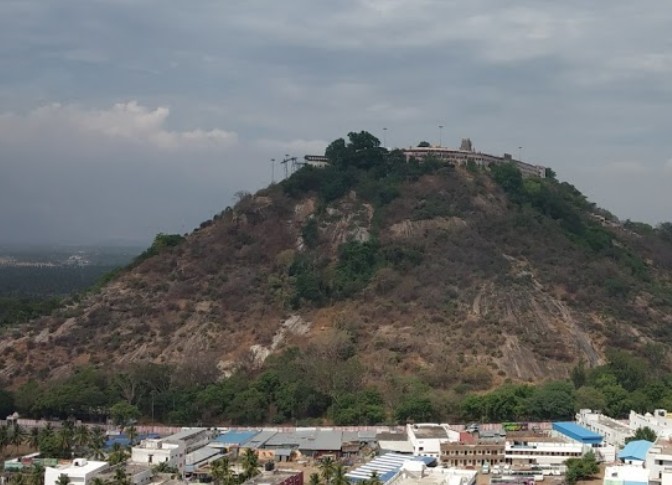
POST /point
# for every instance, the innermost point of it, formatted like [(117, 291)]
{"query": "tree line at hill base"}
[(324, 385)]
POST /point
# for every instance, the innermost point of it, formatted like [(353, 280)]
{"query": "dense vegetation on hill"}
[(325, 384), (376, 289)]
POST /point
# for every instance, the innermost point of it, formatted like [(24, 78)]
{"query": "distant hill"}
[(461, 276)]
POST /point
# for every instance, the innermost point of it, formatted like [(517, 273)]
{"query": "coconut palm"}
[(81, 436), (117, 455), (221, 472), (64, 441), (98, 481), (15, 434), (4, 437), (132, 434), (314, 479), (339, 477), (97, 443), (37, 475), (32, 438), (19, 479), (375, 479), (63, 480), (250, 463), (120, 477), (327, 469)]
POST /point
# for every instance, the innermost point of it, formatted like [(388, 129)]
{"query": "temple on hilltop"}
[(456, 156), (467, 154)]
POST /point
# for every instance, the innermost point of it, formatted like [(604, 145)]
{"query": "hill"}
[(372, 273)]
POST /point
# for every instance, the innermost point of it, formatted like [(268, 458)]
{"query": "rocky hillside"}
[(460, 275)]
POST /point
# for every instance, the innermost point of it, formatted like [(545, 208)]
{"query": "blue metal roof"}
[(577, 433), (635, 450), (236, 437)]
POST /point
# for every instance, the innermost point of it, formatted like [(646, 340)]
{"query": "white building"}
[(426, 438), (541, 450), (154, 451), (659, 461), (622, 475), (613, 431), (658, 422), (80, 471)]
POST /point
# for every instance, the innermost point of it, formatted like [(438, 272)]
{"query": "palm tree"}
[(64, 441), (132, 434), (4, 437), (32, 439), (97, 443), (15, 435), (81, 436), (375, 479), (327, 469), (314, 479), (98, 481), (221, 472), (37, 474), (63, 480), (120, 477), (19, 479), (250, 463), (118, 455), (339, 476)]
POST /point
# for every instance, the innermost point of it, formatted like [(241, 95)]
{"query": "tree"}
[(644, 433), (250, 463), (375, 479), (97, 443), (32, 438), (327, 468), (120, 477), (314, 479), (424, 144), (581, 468), (37, 474), (339, 477), (63, 480), (132, 434), (123, 413), (118, 455), (98, 481), (81, 436), (221, 472)]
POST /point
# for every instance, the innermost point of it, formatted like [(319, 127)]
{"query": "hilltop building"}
[(467, 154), (172, 449)]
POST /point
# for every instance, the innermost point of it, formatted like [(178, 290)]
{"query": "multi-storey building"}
[(474, 454), (540, 449), (659, 461), (659, 421), (614, 432)]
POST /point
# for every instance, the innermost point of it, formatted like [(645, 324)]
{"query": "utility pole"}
[(384, 137), (440, 135), (520, 154), (272, 170)]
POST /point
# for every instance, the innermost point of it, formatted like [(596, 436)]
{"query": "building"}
[(625, 475), (387, 467), (614, 432), (137, 474), (658, 422), (394, 442), (540, 449), (466, 154), (191, 438), (80, 471), (659, 461), (277, 477), (635, 452), (312, 442), (589, 439), (154, 451), (426, 438), (435, 476), (317, 161), (473, 454)]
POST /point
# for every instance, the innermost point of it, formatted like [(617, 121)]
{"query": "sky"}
[(120, 119)]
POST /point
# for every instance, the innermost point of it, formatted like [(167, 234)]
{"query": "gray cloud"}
[(112, 107)]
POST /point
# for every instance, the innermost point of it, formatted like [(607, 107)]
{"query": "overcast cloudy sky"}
[(123, 118)]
